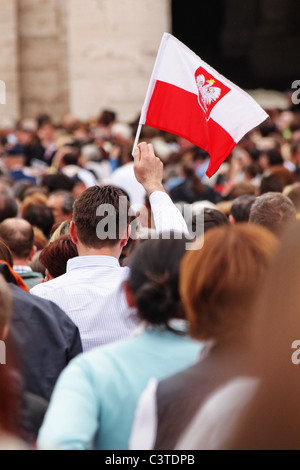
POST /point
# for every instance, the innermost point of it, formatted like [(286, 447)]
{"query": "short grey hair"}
[(273, 211)]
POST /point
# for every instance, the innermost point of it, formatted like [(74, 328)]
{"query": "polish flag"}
[(188, 98)]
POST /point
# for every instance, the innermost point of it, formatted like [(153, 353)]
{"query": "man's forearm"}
[(166, 215)]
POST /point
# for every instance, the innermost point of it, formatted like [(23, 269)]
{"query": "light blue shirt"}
[(96, 395)]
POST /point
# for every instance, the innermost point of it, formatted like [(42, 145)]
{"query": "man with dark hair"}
[(61, 202), (8, 207), (211, 218), (41, 216), (240, 208), (91, 291), (273, 211), (19, 236), (270, 183), (57, 181)]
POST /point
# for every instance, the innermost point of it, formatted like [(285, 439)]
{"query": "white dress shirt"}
[(91, 291), (91, 294)]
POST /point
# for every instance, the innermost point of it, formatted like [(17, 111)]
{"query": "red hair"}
[(54, 256)]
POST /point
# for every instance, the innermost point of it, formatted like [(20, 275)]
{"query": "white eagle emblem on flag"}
[(208, 93)]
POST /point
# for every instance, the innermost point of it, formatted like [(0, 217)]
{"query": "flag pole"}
[(150, 90), (138, 132)]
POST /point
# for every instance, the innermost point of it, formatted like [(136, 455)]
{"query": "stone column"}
[(43, 57), (112, 50), (9, 60)]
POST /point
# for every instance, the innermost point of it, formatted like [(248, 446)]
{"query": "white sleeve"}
[(143, 432), (167, 217)]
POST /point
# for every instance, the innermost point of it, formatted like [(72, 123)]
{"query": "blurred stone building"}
[(81, 56), (78, 56)]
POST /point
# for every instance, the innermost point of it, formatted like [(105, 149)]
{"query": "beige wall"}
[(112, 48), (43, 57), (9, 59), (79, 56)]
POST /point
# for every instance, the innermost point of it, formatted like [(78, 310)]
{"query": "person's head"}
[(240, 208), (40, 241), (19, 236), (273, 211), (42, 217), (56, 255), (8, 207), (33, 199), (61, 203), (14, 158), (293, 193), (219, 282), (270, 157), (152, 286), (240, 189), (101, 219), (60, 229), (211, 218), (55, 182), (271, 183), (107, 117)]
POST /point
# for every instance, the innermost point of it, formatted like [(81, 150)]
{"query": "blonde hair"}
[(219, 281)]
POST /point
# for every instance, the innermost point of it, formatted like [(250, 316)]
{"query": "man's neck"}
[(113, 251), (20, 262)]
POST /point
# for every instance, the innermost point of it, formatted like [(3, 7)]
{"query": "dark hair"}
[(8, 207), (57, 181), (70, 158), (241, 206), (86, 219), (189, 172), (214, 218), (211, 218), (107, 117), (273, 211), (253, 169), (18, 235), (42, 217), (56, 255), (271, 183), (268, 127), (154, 278), (274, 156), (42, 119)]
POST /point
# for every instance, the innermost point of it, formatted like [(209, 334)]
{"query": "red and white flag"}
[(188, 98)]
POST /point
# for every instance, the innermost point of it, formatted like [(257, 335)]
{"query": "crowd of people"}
[(136, 291)]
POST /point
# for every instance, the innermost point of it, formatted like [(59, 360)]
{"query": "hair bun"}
[(156, 301)]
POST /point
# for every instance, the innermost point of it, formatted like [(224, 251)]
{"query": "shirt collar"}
[(93, 260), (18, 268)]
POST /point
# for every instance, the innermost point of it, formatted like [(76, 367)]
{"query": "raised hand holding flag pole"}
[(188, 98)]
